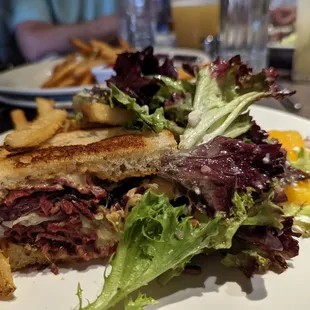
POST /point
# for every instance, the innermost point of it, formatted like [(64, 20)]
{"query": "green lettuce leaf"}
[(176, 86), (140, 302), (155, 121), (301, 214), (229, 225), (224, 91), (176, 97), (265, 213), (159, 241), (156, 238), (249, 261), (303, 160), (178, 111), (240, 125), (175, 129)]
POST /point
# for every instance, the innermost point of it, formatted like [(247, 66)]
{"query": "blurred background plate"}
[(26, 80)]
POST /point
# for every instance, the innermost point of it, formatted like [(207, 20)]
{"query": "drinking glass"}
[(194, 20), (138, 22), (244, 31)]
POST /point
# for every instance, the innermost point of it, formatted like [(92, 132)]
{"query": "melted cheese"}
[(157, 185), (106, 234), (31, 219)]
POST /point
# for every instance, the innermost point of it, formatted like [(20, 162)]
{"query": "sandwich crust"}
[(114, 158), (110, 154)]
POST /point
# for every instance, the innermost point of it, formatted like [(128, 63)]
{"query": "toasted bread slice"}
[(84, 137), (21, 257), (113, 159), (102, 113)]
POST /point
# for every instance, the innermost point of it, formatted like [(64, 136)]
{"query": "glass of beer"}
[(194, 20)]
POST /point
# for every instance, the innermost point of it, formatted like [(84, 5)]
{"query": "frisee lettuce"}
[(176, 86), (247, 260), (176, 97), (141, 301), (156, 238), (217, 108), (159, 241), (155, 121), (303, 160), (230, 224), (301, 214), (265, 213), (224, 91)]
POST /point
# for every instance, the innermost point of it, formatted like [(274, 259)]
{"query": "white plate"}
[(217, 287), (27, 79), (24, 103)]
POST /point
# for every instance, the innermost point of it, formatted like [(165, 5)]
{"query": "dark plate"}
[(281, 57)]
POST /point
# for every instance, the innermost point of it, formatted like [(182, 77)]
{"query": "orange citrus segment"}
[(289, 140), (298, 193)]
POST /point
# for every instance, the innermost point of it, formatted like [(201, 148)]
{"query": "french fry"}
[(83, 48), (81, 69), (69, 59), (68, 81), (56, 79), (124, 45), (57, 68), (101, 45), (87, 79), (110, 58), (44, 106), (85, 67), (36, 133), (7, 286), (19, 119), (69, 125), (74, 72)]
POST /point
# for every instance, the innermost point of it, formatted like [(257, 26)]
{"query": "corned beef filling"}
[(62, 205)]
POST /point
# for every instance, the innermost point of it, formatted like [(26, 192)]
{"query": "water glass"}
[(244, 31), (138, 22)]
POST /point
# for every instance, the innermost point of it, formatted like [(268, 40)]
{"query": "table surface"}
[(302, 96)]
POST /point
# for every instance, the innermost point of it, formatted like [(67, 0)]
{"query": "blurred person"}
[(4, 35), (43, 27), (283, 12)]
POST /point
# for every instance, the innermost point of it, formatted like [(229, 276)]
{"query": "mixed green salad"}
[(231, 177)]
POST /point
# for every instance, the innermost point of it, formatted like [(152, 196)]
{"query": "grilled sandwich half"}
[(68, 200)]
